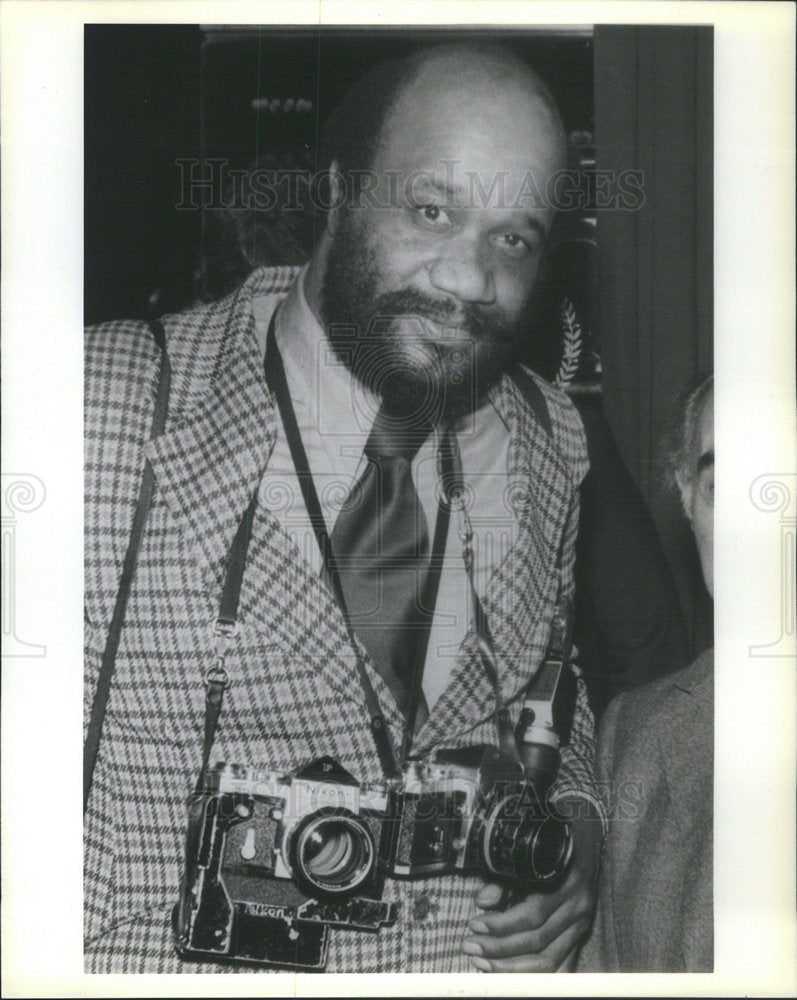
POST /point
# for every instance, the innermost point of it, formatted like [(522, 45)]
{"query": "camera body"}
[(473, 809), (274, 860)]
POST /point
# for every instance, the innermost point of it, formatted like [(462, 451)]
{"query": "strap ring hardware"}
[(217, 675)]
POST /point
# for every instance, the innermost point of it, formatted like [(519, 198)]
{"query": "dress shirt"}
[(335, 414)]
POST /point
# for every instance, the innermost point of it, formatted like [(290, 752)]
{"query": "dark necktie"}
[(381, 547)]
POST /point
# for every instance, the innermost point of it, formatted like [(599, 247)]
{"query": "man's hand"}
[(541, 933)]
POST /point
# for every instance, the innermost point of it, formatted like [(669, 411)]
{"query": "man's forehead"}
[(482, 121), (481, 161)]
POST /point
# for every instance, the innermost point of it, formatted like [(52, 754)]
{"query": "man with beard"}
[(309, 490)]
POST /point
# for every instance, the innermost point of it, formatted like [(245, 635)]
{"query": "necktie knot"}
[(394, 437)]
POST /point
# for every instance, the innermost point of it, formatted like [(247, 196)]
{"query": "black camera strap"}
[(454, 488), (217, 679), (278, 385)]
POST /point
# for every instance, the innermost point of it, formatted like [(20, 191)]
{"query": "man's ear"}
[(337, 197)]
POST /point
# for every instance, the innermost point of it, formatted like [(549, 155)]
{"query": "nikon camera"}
[(274, 860)]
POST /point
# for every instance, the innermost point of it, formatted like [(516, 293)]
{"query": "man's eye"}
[(513, 245), (432, 215)]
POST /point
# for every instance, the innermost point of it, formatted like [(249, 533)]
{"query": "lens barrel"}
[(332, 854), (521, 844)]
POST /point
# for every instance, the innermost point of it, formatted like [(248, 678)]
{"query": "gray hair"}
[(679, 442)]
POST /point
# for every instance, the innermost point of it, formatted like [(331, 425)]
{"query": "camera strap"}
[(454, 489), (217, 679), (278, 385)]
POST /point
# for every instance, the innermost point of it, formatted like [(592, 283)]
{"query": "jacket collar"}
[(220, 433), (221, 423)]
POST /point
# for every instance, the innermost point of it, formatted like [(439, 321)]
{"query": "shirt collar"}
[(326, 396)]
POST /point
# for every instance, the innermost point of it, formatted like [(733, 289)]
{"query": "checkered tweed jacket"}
[(293, 693)]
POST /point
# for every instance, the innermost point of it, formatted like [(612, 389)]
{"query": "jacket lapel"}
[(522, 592), (220, 434), (221, 427)]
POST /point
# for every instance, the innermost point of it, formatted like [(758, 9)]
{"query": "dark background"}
[(631, 97)]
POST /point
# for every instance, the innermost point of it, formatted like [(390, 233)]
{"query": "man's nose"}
[(460, 271)]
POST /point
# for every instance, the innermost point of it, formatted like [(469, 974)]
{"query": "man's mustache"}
[(408, 302)]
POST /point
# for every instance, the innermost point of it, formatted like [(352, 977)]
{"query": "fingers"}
[(504, 940), (539, 934), (558, 956), (529, 914), (490, 896)]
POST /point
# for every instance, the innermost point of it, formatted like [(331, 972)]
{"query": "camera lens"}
[(549, 848), (333, 854), (520, 844)]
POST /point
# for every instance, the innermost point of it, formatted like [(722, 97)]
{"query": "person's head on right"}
[(690, 461)]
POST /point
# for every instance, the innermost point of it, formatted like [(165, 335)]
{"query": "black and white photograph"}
[(397, 565)]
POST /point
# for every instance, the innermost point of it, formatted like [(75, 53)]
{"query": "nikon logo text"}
[(264, 910)]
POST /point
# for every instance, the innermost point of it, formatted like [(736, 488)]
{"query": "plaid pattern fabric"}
[(292, 695)]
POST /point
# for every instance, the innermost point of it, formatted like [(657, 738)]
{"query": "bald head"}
[(455, 79), (484, 115), (481, 79)]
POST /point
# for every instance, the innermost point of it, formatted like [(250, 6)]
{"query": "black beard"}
[(431, 379)]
